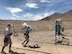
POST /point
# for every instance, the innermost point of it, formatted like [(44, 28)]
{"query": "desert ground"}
[(42, 34), (45, 39)]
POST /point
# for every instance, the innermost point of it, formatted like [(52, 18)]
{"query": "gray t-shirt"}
[(7, 32)]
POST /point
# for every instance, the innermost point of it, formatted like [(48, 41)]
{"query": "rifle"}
[(15, 33)]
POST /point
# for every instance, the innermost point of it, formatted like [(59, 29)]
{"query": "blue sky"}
[(32, 9)]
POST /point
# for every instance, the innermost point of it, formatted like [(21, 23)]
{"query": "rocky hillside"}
[(65, 16), (54, 16)]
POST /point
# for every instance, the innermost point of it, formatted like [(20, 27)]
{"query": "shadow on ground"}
[(17, 53)]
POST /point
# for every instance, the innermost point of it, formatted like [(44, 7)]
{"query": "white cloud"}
[(37, 17), (45, 14), (14, 10), (48, 13), (16, 16), (31, 1), (13, 18), (28, 15), (49, 1), (32, 5)]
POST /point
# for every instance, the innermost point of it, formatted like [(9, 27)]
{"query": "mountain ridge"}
[(65, 16)]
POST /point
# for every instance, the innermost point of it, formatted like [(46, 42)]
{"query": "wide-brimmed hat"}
[(25, 25)]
